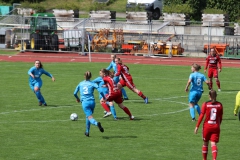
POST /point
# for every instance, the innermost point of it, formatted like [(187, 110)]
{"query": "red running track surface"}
[(101, 57)]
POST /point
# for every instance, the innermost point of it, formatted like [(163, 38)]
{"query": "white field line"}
[(157, 99)]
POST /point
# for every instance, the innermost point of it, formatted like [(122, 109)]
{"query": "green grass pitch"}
[(162, 129)]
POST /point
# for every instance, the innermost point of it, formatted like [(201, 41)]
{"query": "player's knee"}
[(36, 89)]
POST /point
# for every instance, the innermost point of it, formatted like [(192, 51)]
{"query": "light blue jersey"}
[(113, 66), (37, 72), (102, 88), (197, 80), (86, 89), (196, 91)]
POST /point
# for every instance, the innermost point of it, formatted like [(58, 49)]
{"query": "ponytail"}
[(88, 75), (213, 96)]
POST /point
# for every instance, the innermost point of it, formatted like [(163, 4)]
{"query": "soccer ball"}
[(74, 117)]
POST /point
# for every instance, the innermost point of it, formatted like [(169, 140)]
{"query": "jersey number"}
[(85, 90), (199, 81), (213, 116)]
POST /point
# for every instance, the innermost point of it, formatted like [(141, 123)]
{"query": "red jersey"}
[(212, 62), (123, 70), (112, 87), (213, 115), (114, 94)]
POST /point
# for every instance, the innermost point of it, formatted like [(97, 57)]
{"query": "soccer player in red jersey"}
[(213, 111), (126, 79), (114, 94), (212, 62)]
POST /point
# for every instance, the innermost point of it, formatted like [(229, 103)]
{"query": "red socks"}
[(218, 84), (105, 107), (204, 152), (141, 95), (126, 110), (214, 152)]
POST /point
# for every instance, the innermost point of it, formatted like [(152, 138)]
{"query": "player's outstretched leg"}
[(100, 127), (87, 127)]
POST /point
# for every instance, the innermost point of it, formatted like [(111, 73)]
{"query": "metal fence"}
[(80, 35)]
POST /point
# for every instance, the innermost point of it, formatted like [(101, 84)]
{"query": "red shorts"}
[(213, 72), (129, 83), (115, 96), (211, 134)]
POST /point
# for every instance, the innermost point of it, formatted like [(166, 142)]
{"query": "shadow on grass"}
[(114, 137), (229, 119), (51, 105), (127, 119)]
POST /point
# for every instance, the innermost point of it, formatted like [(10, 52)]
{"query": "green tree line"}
[(195, 8)]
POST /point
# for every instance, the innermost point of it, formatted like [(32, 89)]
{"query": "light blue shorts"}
[(88, 107), (194, 96)]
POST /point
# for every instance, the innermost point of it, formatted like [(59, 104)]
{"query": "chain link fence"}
[(81, 35)]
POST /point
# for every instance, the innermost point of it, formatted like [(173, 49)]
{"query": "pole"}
[(89, 46)]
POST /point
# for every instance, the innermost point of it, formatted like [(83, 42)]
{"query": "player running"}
[(114, 93), (109, 110), (127, 80), (113, 66), (86, 89)]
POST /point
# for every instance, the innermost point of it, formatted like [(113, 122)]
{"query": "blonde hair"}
[(196, 66)]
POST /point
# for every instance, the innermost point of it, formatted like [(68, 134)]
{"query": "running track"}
[(101, 57)]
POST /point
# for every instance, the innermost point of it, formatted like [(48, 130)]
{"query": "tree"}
[(197, 7), (231, 7)]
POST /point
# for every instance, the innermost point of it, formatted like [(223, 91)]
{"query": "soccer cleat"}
[(40, 103), (100, 127), (132, 117), (86, 134), (115, 119), (219, 90), (193, 119), (45, 104), (107, 114), (126, 98), (235, 114), (146, 100)]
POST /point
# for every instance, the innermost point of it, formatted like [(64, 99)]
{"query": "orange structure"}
[(101, 40), (219, 48)]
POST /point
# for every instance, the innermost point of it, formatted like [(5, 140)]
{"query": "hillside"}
[(82, 5)]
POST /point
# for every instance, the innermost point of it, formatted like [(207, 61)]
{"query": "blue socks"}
[(192, 112), (112, 109), (93, 121), (40, 97), (124, 93), (87, 125), (197, 108)]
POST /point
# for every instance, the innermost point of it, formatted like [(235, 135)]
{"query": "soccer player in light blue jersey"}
[(86, 89), (110, 110), (113, 66), (196, 80), (35, 81)]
